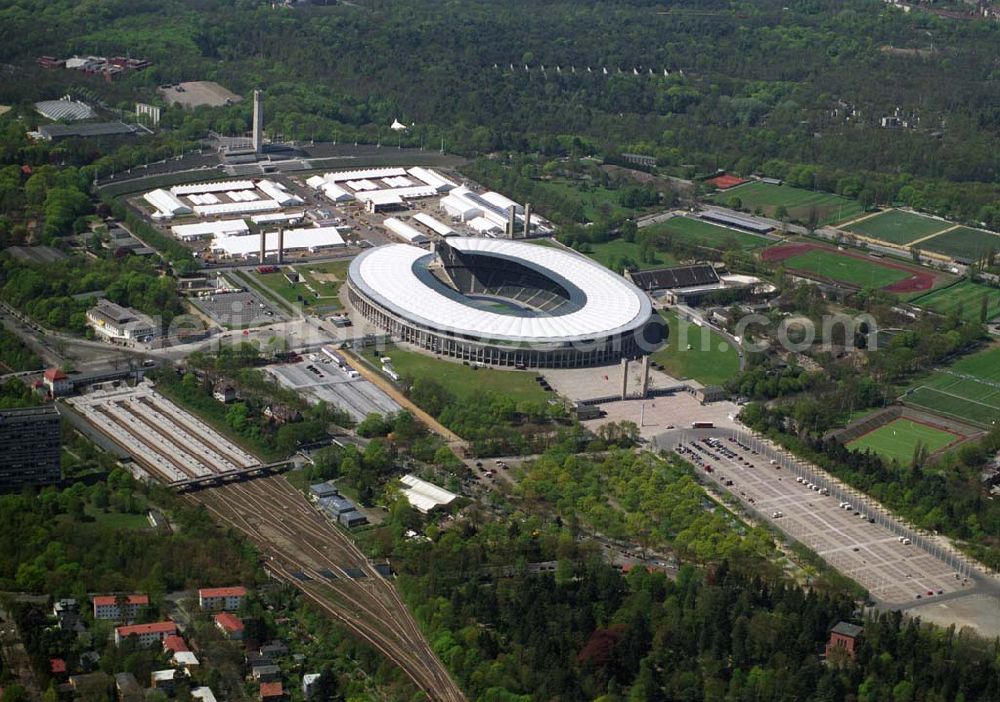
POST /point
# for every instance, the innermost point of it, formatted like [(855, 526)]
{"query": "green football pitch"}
[(799, 203), (964, 298), (700, 233), (845, 269), (968, 389), (963, 242), (898, 439), (898, 227)]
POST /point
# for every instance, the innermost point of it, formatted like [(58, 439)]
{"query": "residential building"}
[(57, 666), (270, 691), (30, 442), (203, 693), (57, 382), (265, 673), (321, 490), (90, 685), (352, 519), (119, 608), (214, 599), (146, 634), (184, 660), (230, 625), (274, 649), (224, 392), (309, 681), (844, 638), (163, 680), (282, 414), (128, 688), (119, 324)]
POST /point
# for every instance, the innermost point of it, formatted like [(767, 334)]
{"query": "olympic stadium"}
[(504, 303)]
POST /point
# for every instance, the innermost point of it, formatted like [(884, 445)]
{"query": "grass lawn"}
[(700, 233), (899, 438), (964, 298), (963, 242), (597, 202), (319, 285), (711, 359), (118, 520), (461, 380), (898, 227), (612, 253), (800, 203), (845, 269), (968, 389)]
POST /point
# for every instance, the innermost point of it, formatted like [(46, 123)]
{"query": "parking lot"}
[(238, 310), (320, 380), (851, 534)]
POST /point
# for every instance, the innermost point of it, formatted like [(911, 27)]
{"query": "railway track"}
[(303, 549)]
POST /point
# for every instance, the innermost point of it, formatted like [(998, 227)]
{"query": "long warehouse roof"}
[(609, 303), (306, 238)]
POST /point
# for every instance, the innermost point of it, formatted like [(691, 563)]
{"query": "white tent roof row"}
[(502, 201), (204, 229), (228, 208), (425, 496), (166, 203), (241, 195), (483, 225), (311, 238), (398, 182), (403, 193), (381, 197), (458, 207), (362, 184), (315, 182), (220, 186), (609, 304), (334, 192), (206, 199), (404, 230), (341, 176), (433, 224), (278, 193), (432, 178), (276, 217)]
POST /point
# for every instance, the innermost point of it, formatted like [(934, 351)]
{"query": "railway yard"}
[(168, 442), (301, 548)]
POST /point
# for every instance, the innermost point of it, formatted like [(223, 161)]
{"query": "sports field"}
[(963, 242), (461, 380), (799, 203), (696, 232), (845, 269), (964, 298), (898, 439), (968, 389), (898, 227), (710, 360)]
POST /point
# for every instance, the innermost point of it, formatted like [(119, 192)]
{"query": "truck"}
[(702, 425)]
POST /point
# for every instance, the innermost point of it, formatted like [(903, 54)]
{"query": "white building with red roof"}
[(221, 598), (230, 625), (119, 608), (57, 382), (146, 634)]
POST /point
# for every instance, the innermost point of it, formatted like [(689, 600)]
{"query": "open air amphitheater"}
[(169, 443)]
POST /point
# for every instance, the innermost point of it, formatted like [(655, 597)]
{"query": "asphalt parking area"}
[(238, 310)]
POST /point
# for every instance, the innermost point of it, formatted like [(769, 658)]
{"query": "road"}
[(302, 548)]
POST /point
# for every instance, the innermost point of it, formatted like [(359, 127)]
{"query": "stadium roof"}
[(68, 110), (608, 303)]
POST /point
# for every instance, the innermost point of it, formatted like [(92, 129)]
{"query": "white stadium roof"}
[(610, 304)]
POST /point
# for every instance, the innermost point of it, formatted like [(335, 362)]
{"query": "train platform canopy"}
[(423, 496)]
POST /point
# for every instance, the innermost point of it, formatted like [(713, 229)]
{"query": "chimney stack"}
[(511, 222), (281, 244), (527, 220), (263, 249), (258, 122)]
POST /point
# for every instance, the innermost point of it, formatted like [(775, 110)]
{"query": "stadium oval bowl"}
[(506, 303)]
